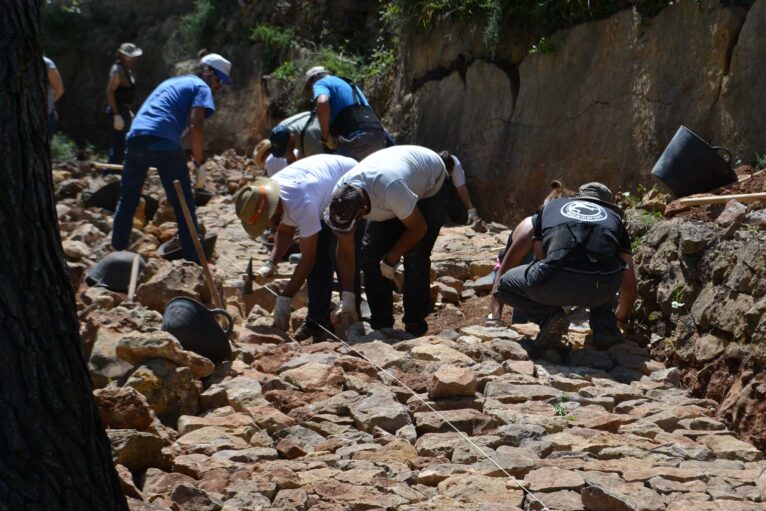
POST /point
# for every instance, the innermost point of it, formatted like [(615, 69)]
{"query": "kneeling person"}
[(583, 257), (295, 199), (402, 191)]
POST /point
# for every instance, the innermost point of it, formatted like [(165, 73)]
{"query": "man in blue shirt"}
[(345, 117), (154, 140)]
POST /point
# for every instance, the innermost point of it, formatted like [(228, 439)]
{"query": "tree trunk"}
[(54, 453)]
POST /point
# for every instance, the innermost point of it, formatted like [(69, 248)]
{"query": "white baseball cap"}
[(220, 66), (316, 70)]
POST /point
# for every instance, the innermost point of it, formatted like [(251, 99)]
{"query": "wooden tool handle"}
[(722, 199), (112, 166), (197, 245), (133, 278)]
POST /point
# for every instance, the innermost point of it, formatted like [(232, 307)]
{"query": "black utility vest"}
[(354, 117)]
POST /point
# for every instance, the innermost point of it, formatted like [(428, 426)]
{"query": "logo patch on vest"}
[(584, 211)]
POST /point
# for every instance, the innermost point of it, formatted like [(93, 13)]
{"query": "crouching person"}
[(295, 198), (583, 258), (401, 190)]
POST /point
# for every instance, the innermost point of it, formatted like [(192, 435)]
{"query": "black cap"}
[(345, 207)]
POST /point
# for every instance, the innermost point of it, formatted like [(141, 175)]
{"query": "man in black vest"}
[(348, 123), (582, 257)]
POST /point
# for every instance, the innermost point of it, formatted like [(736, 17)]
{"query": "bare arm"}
[(54, 79), (416, 228), (462, 192), (197, 134), (283, 237), (323, 115), (308, 248), (539, 252), (521, 245), (111, 87), (345, 255), (628, 290)]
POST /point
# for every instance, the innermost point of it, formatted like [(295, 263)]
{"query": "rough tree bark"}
[(54, 453)]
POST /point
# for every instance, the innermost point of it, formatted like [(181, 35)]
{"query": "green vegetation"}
[(542, 16), (760, 160), (63, 149), (195, 29), (276, 42)]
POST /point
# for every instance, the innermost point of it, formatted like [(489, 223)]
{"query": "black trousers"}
[(378, 240)]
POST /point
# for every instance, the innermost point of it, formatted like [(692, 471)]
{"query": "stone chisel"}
[(249, 278)]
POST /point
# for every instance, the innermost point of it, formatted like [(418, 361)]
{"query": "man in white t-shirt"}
[(402, 191), (294, 199)]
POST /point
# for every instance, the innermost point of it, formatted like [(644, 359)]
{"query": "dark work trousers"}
[(319, 282), (526, 288), (361, 144), (171, 165), (378, 240), (117, 151)]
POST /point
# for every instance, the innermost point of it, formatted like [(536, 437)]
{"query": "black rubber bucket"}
[(690, 165)]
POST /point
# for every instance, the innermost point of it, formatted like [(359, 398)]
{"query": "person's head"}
[(598, 193), (448, 160), (348, 204), (214, 70), (558, 191), (257, 205), (312, 75), (127, 53), (282, 142)]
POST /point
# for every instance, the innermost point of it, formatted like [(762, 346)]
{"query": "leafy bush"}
[(286, 71), (276, 41), (195, 29), (63, 148)]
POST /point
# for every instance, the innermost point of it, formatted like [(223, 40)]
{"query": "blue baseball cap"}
[(279, 138)]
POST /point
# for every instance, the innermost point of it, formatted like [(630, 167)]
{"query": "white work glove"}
[(473, 215), (201, 176), (393, 273), (346, 309), (267, 270), (282, 311), (119, 123)]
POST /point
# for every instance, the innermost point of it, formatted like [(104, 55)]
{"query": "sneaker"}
[(305, 333), (552, 330)]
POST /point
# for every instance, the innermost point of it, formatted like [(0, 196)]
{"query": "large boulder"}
[(136, 348), (174, 278), (169, 389)]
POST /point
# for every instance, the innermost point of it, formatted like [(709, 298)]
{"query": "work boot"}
[(306, 332), (604, 341), (551, 331)]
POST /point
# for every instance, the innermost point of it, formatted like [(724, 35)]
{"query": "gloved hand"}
[(346, 310), (119, 123), (268, 269), (473, 215), (330, 142), (282, 312), (201, 175), (393, 273)]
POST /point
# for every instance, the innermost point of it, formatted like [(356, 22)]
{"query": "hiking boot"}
[(552, 330), (603, 341), (305, 333)]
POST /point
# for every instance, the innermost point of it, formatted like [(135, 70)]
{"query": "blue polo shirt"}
[(340, 93), (165, 113)]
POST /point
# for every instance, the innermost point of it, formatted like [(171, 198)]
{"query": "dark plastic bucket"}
[(690, 165), (196, 328)]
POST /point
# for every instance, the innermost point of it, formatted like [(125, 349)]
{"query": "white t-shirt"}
[(458, 174), (396, 178), (306, 187), (272, 165), (50, 65)]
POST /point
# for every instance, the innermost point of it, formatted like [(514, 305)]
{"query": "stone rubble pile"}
[(328, 426)]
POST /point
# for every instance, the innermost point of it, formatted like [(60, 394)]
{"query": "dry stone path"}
[(390, 422)]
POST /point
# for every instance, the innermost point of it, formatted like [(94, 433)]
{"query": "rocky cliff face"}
[(602, 106), (702, 288)]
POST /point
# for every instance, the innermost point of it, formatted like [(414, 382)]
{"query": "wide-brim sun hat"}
[(600, 194), (130, 50), (220, 66), (262, 150), (315, 71), (255, 204)]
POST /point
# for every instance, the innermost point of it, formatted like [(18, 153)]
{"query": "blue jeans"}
[(117, 152), (171, 165), (319, 282)]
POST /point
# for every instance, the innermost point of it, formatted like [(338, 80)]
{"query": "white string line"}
[(442, 417)]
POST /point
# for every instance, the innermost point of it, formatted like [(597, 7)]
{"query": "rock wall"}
[(702, 292), (602, 106)]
